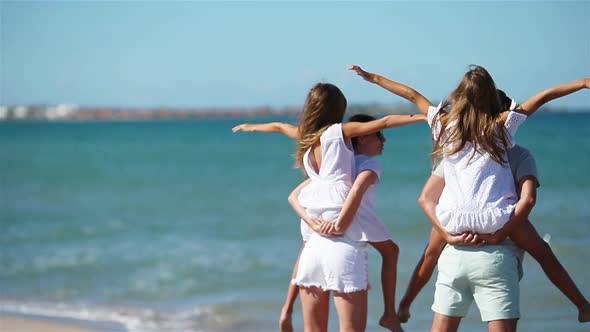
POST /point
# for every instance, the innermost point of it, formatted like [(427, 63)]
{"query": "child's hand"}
[(242, 127), (369, 77)]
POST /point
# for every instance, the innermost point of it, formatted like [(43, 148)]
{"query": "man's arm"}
[(428, 201)]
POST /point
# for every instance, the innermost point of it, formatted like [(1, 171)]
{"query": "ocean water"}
[(185, 226)]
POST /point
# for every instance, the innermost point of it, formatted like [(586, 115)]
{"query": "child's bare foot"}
[(285, 323), (391, 322), (584, 313), (403, 312)]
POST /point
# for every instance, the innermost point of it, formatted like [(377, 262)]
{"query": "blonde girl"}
[(332, 264)]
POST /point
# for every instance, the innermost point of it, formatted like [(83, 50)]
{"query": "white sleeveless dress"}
[(330, 263)]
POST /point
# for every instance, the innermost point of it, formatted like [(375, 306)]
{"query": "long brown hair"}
[(325, 105), (472, 114)]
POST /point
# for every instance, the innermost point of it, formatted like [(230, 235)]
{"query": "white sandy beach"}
[(35, 324)]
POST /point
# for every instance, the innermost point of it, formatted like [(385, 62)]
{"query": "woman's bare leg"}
[(352, 310), (315, 305)]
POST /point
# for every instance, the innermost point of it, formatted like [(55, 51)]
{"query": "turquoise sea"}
[(185, 226)]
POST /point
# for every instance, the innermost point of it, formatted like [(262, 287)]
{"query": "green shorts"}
[(488, 274)]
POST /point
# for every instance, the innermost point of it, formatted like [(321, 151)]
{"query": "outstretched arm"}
[(286, 129), (355, 129), (353, 200), (532, 104), (399, 89)]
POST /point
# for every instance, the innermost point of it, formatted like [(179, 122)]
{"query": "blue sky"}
[(249, 54)]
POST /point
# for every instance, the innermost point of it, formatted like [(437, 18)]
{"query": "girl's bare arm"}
[(399, 89), (353, 200), (355, 129), (286, 129), (534, 103)]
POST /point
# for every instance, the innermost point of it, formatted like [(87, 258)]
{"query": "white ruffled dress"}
[(479, 194)]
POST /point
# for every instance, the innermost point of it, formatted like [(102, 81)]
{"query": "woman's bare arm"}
[(320, 227), (286, 129)]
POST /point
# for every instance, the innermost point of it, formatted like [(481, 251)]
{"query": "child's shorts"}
[(488, 274)]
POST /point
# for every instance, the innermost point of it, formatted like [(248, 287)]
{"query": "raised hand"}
[(242, 127), (396, 88), (369, 77)]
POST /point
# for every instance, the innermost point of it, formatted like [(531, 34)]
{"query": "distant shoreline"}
[(75, 113)]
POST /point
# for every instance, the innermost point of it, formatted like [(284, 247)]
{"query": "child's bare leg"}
[(285, 322), (389, 252), (526, 237), (422, 273)]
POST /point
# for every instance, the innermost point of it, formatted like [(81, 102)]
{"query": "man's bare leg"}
[(422, 273), (442, 323), (502, 325)]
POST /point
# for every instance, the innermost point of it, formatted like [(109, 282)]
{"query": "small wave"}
[(133, 319), (196, 319)]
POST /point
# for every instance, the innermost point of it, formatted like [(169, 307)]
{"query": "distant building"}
[(62, 111)]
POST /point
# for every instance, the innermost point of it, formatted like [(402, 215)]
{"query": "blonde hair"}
[(472, 114), (325, 105)]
